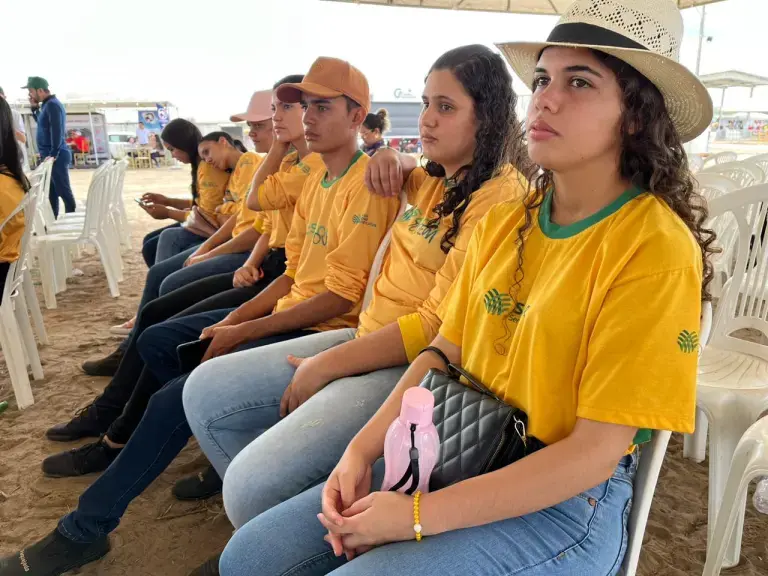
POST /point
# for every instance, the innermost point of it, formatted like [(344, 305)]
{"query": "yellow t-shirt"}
[(603, 325), (336, 230), (416, 273), (278, 193), (211, 187), (11, 194), (239, 186), (284, 186)]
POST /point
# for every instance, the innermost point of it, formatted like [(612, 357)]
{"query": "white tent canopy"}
[(517, 6)]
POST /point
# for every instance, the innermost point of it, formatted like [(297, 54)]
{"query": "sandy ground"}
[(161, 536)]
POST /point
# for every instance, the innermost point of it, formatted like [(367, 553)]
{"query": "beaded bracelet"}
[(417, 515)]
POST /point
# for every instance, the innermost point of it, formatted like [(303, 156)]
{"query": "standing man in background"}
[(142, 134), (21, 133), (51, 131)]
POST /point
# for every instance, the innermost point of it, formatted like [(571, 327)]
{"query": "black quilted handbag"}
[(478, 432)]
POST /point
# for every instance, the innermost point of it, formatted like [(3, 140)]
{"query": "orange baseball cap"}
[(330, 78), (259, 108)]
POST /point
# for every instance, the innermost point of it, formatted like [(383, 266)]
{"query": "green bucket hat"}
[(36, 83)]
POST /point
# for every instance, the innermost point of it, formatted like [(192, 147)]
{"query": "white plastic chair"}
[(750, 461), (695, 162), (647, 476), (94, 232), (16, 338), (733, 372), (720, 158), (711, 186), (743, 173), (378, 260), (761, 160)]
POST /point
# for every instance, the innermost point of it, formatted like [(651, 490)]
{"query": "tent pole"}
[(93, 137), (701, 39)]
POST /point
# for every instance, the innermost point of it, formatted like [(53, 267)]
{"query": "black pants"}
[(125, 398), (4, 268)]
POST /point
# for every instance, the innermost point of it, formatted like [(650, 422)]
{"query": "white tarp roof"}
[(518, 6), (733, 79)]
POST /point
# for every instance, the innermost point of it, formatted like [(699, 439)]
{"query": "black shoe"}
[(52, 556), (198, 487), (209, 568), (106, 366), (89, 458), (85, 424)]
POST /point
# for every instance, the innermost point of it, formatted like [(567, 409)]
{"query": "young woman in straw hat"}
[(595, 279)]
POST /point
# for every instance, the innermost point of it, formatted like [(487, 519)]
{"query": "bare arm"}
[(179, 203), (178, 215), (303, 315), (219, 237), (375, 351), (269, 166), (263, 303), (583, 460)]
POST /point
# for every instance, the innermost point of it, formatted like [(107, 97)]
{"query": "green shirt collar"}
[(328, 183), (557, 232)]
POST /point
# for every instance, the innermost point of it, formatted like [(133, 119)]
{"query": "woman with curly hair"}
[(471, 134), (569, 306)]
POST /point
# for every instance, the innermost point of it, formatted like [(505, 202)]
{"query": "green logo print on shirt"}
[(318, 232), (688, 342), (418, 224), (362, 219), (497, 303)]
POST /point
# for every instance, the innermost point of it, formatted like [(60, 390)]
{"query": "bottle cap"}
[(417, 406)]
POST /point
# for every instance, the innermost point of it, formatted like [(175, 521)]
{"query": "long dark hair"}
[(219, 134), (652, 158), (498, 140), (10, 155), (185, 136)]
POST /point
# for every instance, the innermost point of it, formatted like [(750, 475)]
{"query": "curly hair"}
[(498, 138), (652, 158), (378, 121)]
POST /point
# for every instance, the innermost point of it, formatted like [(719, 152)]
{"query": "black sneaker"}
[(52, 556), (89, 458), (209, 568), (85, 424), (106, 366), (198, 487)]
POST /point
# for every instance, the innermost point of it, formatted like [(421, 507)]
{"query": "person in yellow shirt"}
[(335, 242), (579, 305), (470, 146), (181, 138), (113, 416), (13, 186)]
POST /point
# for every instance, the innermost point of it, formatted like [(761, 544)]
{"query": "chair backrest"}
[(744, 303), (712, 185), (97, 201), (743, 173), (381, 253), (695, 162), (761, 160), (720, 158), (29, 206)]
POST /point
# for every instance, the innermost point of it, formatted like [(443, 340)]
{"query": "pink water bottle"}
[(411, 445)]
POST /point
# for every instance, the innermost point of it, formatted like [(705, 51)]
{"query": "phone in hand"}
[(190, 354), (139, 201)]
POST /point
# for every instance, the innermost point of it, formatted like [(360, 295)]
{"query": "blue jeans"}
[(175, 240), (60, 186), (149, 244), (159, 437), (264, 459), (583, 536)]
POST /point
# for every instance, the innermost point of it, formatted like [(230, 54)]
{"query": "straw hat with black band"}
[(646, 34)]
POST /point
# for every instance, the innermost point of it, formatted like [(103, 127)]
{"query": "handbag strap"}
[(412, 472), (457, 372)]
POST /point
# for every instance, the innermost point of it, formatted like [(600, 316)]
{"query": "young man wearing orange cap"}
[(335, 234)]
